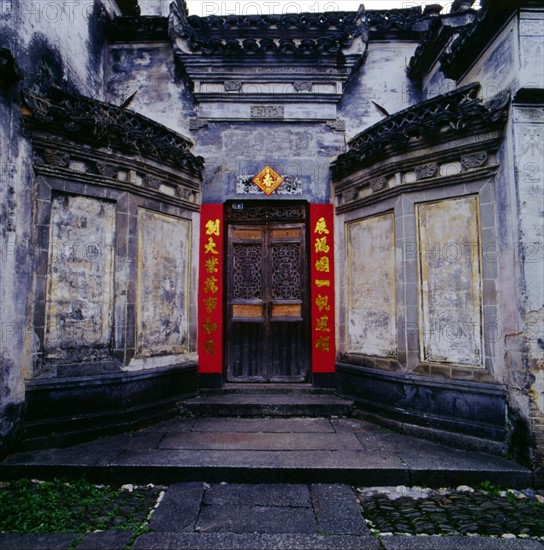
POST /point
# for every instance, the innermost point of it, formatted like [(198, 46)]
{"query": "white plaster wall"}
[(497, 68), (381, 79), (155, 7), (149, 72), (69, 28)]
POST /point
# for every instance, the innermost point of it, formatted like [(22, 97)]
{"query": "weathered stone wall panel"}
[(450, 282), (371, 290), (79, 308), (164, 264)]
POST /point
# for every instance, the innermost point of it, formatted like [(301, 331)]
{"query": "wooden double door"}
[(267, 293)]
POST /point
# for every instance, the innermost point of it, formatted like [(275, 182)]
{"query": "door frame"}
[(266, 212)]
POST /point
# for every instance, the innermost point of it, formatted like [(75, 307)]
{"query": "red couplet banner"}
[(210, 290), (322, 287)]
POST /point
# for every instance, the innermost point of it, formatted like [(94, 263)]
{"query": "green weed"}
[(61, 506)]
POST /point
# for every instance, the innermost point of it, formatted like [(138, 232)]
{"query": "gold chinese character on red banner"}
[(210, 285), (321, 226), (323, 343), (322, 282), (211, 265), (212, 227), (210, 248), (210, 303), (321, 245), (322, 303), (267, 180), (209, 346), (322, 264), (322, 324), (209, 327)]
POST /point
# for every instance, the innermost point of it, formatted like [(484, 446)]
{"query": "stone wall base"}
[(65, 411), (467, 415)]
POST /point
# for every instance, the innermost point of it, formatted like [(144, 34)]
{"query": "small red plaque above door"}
[(267, 180)]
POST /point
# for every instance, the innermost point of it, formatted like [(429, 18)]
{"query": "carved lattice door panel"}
[(267, 335)]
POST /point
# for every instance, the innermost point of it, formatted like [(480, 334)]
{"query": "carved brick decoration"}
[(88, 120), (108, 170), (152, 182), (452, 112), (426, 171), (232, 85), (183, 192), (302, 86), (350, 194), (337, 125), (475, 160), (377, 184), (267, 111), (56, 158), (291, 186)]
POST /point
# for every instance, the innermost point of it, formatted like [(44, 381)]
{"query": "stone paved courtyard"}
[(329, 516)]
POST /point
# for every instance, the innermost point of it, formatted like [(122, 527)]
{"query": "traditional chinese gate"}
[(267, 292)]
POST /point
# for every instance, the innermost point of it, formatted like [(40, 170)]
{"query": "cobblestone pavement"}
[(462, 511), (298, 516)]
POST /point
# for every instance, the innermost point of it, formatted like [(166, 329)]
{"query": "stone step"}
[(267, 450), (268, 404), (268, 389)]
